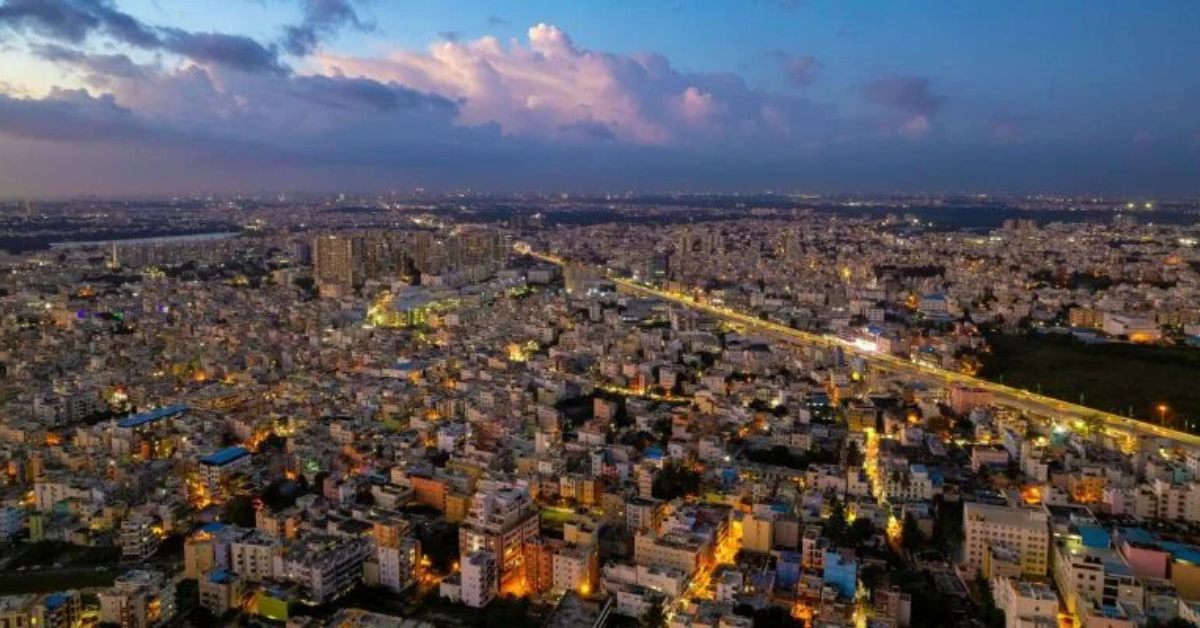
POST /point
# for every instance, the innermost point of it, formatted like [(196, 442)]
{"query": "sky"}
[(150, 97)]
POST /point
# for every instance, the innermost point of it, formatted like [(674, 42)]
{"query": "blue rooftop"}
[(1137, 535), (55, 600), (221, 576), (156, 414), (1182, 551), (212, 528), (225, 456), (1094, 536)]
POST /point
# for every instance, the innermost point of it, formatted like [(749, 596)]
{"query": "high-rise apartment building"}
[(1023, 530), (337, 264)]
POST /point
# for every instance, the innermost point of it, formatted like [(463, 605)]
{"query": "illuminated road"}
[(1007, 396)]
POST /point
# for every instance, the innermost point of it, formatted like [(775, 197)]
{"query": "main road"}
[(1007, 396)]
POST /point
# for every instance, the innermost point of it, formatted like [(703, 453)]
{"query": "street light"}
[(1162, 413)]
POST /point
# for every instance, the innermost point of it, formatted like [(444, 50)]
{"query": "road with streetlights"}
[(1006, 396)]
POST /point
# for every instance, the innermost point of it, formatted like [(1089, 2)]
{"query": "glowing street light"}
[(1162, 413)]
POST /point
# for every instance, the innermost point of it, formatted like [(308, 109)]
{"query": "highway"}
[(1005, 396)]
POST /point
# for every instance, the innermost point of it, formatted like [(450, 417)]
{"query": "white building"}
[(253, 556), (1023, 530), (138, 599), (1025, 604), (480, 579)]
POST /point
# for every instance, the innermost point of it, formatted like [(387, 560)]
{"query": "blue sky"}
[(813, 95)]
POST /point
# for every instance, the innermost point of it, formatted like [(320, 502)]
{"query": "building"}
[(758, 533), (480, 578), (220, 591), (140, 536), (139, 599), (684, 552), (1094, 579), (1025, 530), (500, 523), (12, 521), (841, 572), (1025, 604), (48, 610), (253, 556), (337, 265), (216, 468), (324, 567), (398, 564)]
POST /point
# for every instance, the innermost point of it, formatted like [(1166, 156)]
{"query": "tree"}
[(775, 617), (1013, 470), (861, 531), (837, 526), (991, 616), (655, 616), (911, 536), (871, 576), (675, 480), (854, 455)]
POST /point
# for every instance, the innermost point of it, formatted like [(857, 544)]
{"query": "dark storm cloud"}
[(73, 21), (117, 65), (321, 18), (588, 131), (909, 94), (233, 51), (68, 116), (363, 93)]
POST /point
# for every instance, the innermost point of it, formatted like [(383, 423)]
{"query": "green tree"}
[(854, 455), (775, 617), (1012, 471), (836, 526), (655, 616), (991, 616), (861, 531), (911, 536), (675, 480)]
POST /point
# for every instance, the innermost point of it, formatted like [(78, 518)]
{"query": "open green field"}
[(1111, 377)]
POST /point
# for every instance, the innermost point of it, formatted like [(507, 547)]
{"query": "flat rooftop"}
[(225, 456), (156, 414)]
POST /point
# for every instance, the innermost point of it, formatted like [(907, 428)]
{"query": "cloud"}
[(916, 126), (75, 21), (101, 65), (342, 92), (67, 115), (449, 35), (496, 21), (1009, 127), (321, 18), (233, 51), (550, 88), (799, 70), (907, 94)]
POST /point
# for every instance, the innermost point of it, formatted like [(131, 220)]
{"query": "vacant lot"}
[(1112, 377)]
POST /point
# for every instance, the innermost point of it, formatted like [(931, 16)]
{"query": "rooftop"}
[(225, 456), (156, 414)]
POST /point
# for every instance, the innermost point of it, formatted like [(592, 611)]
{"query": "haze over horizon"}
[(147, 97)]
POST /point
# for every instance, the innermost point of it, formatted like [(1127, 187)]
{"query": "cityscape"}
[(302, 326)]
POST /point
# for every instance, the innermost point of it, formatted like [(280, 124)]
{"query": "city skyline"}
[(156, 97)]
